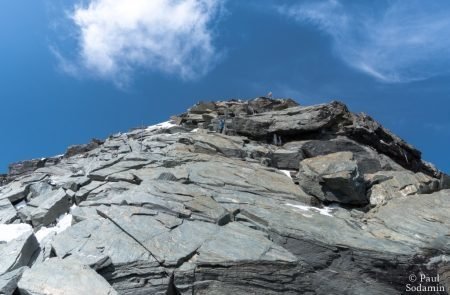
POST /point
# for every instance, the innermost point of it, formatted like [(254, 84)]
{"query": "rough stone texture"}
[(7, 212), (386, 185), (445, 181), (48, 207), (333, 178), (63, 277), (8, 281), (3, 179), (82, 148), (18, 253), (184, 209), (14, 191)]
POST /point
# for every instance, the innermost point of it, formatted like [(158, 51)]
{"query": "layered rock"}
[(57, 276), (236, 197)]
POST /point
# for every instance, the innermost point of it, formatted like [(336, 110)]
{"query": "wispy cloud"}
[(393, 41), (118, 37)]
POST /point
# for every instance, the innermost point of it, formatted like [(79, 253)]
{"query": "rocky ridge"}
[(233, 197)]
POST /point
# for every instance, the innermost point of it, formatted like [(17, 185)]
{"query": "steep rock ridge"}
[(233, 197)]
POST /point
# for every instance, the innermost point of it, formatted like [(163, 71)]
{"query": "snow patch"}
[(63, 222), (324, 211), (194, 130), (159, 126), (73, 207), (20, 205), (287, 172), (9, 232)]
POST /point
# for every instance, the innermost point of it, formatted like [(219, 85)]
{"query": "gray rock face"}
[(336, 204), (333, 178), (57, 277)]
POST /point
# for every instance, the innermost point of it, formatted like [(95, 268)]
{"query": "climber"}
[(221, 125), (277, 140)]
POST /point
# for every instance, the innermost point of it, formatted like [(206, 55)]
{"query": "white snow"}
[(20, 205), (194, 130), (324, 211), (159, 126), (73, 207), (63, 222), (287, 172), (9, 232)]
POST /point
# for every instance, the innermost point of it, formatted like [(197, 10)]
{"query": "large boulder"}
[(369, 161), (18, 252), (46, 208), (63, 277), (333, 178)]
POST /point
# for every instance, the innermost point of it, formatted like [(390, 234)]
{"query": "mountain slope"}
[(234, 197)]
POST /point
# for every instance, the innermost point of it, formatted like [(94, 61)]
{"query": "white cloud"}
[(393, 41), (119, 37)]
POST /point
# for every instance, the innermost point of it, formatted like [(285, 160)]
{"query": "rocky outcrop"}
[(237, 197), (333, 178), (391, 184), (82, 148)]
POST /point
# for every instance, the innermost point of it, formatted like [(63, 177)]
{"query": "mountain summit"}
[(263, 196)]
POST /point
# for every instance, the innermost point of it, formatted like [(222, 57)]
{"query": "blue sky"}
[(74, 70)]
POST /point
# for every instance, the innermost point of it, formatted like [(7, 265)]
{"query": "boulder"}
[(369, 161), (18, 252), (14, 191), (286, 158), (333, 178), (48, 207), (8, 281), (386, 185), (62, 277)]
